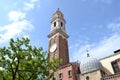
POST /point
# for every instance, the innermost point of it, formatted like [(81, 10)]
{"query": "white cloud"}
[(14, 29), (106, 46), (16, 15), (79, 53), (115, 26), (19, 24), (98, 50), (102, 48), (30, 5)]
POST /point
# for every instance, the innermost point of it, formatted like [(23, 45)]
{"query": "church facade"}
[(107, 68)]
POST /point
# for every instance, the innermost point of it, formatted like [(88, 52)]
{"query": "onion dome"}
[(90, 64)]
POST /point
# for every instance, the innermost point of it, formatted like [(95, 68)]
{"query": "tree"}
[(21, 61)]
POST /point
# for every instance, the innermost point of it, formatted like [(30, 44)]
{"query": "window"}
[(78, 70), (115, 67), (87, 78), (54, 24), (61, 24), (60, 75), (69, 73)]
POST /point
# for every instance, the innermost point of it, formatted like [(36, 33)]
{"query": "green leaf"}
[(25, 61)]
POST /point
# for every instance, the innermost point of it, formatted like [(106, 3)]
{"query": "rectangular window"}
[(60, 75), (115, 67), (54, 24), (70, 73)]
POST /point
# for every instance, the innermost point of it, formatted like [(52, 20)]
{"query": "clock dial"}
[(53, 47)]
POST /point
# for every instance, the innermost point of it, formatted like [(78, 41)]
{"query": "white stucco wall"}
[(106, 62)]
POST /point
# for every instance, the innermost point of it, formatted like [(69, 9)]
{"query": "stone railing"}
[(112, 77)]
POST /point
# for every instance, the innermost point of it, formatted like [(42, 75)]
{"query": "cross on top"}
[(88, 55)]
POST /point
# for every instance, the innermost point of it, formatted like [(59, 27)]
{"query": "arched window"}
[(54, 24), (87, 78), (61, 24)]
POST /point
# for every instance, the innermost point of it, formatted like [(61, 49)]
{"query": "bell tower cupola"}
[(58, 21)]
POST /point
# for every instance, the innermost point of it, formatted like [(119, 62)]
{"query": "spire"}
[(88, 55), (58, 9)]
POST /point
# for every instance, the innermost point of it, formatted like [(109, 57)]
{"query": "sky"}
[(92, 25)]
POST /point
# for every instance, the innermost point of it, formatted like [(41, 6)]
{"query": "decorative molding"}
[(111, 77), (58, 34)]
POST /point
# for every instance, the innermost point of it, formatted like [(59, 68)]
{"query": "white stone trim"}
[(58, 34)]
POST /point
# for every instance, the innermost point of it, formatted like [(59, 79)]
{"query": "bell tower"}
[(58, 43)]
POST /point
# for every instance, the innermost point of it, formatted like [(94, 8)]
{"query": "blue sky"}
[(91, 24)]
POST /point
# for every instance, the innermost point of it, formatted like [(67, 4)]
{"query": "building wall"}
[(115, 79), (106, 62), (118, 64), (96, 75), (112, 77), (64, 70), (59, 38)]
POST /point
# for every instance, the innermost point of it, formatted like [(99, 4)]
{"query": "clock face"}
[(53, 47)]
